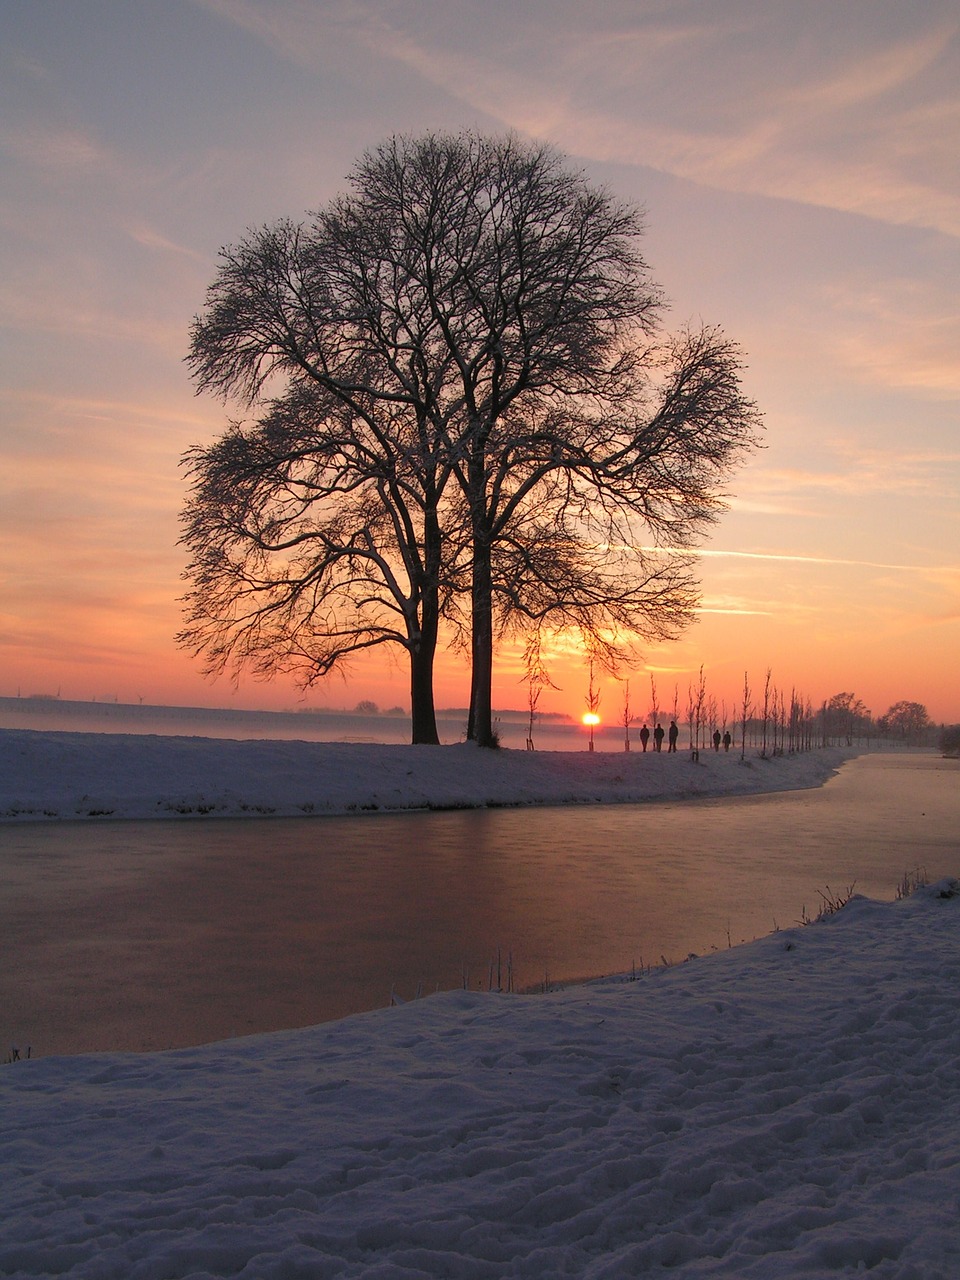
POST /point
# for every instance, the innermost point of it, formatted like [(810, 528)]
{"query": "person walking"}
[(716, 739), (658, 738), (727, 740), (644, 737), (672, 736)]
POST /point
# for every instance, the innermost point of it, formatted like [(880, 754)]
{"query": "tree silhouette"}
[(477, 323)]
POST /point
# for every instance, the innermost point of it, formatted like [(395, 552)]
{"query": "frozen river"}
[(144, 935)]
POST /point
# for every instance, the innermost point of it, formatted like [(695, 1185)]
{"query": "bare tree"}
[(489, 328), (695, 710), (745, 708), (766, 714), (712, 719), (593, 705), (654, 704), (534, 689), (536, 679)]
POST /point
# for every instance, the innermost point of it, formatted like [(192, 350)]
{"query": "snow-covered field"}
[(80, 775), (785, 1109)]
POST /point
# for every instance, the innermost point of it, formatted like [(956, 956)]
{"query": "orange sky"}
[(800, 180)]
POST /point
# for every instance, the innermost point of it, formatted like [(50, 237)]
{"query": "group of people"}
[(673, 733)]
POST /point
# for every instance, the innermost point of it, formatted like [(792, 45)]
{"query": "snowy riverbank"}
[(96, 775), (786, 1109), (783, 1110)]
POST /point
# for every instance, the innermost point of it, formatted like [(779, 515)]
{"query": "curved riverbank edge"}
[(48, 776)]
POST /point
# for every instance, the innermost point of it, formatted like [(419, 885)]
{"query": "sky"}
[(798, 169)]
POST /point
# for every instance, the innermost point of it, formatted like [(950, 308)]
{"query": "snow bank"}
[(92, 775), (785, 1109)]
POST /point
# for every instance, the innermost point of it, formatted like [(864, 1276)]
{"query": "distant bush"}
[(950, 740)]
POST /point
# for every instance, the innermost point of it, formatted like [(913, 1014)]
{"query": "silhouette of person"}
[(658, 738), (716, 739), (672, 736), (644, 736), (727, 740)]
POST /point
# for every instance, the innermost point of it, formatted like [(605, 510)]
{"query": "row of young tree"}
[(768, 720), (468, 422)]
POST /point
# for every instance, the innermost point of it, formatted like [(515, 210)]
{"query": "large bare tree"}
[(485, 320)]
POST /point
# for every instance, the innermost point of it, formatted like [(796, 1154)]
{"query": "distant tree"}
[(537, 678), (779, 721), (797, 725), (534, 689), (654, 704), (949, 741), (846, 716), (367, 708), (696, 698), (766, 713), (626, 718), (593, 703), (746, 706), (906, 720)]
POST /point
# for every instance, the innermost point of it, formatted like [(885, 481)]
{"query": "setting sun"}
[(591, 718)]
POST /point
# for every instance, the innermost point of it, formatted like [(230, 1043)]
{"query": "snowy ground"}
[(97, 775), (785, 1109)]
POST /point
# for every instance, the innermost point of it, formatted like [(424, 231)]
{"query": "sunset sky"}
[(799, 165)]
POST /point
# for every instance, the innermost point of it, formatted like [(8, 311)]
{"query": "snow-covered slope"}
[(787, 1109), (80, 775)]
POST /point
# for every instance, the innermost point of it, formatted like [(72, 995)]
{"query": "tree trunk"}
[(480, 723), (424, 644), (423, 711)]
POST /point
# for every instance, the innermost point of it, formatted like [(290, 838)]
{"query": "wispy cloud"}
[(770, 125), (900, 332), (735, 611), (151, 238), (55, 148), (81, 312), (850, 469), (709, 553)]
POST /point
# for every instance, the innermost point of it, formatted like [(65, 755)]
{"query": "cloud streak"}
[(710, 553), (782, 127)]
